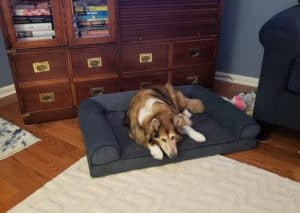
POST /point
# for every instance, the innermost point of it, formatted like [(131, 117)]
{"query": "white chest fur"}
[(146, 110)]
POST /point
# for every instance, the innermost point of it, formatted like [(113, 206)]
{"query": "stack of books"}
[(90, 21), (33, 21)]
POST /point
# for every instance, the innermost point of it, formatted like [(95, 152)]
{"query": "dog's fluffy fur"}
[(159, 115)]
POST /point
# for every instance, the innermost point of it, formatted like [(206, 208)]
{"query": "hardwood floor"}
[(62, 145)]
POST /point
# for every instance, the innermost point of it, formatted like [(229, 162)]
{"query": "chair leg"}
[(264, 134)]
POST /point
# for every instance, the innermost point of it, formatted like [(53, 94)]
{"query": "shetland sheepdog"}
[(158, 116)]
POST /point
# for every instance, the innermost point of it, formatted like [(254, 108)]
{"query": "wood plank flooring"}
[(62, 145)]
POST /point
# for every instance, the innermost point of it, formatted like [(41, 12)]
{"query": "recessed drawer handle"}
[(146, 58), (41, 67), (94, 62), (145, 84), (97, 91), (194, 52), (47, 97), (192, 79)]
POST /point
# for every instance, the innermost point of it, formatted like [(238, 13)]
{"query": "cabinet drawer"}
[(148, 57), (89, 88), (94, 61), (41, 65), (139, 81), (191, 53), (202, 75), (45, 97)]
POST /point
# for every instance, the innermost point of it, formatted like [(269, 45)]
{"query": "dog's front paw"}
[(156, 152)]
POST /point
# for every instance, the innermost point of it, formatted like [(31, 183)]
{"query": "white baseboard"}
[(7, 90), (237, 79)]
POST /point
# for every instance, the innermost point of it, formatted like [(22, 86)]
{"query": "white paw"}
[(156, 152), (198, 137), (187, 113)]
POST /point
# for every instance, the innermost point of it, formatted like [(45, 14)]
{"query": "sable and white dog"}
[(157, 117)]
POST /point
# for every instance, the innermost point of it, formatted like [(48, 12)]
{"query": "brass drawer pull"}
[(145, 84), (41, 67), (192, 79), (146, 58), (47, 97), (94, 62), (97, 91), (194, 52)]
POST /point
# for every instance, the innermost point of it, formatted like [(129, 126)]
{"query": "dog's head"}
[(164, 133)]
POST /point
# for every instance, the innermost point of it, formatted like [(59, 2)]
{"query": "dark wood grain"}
[(136, 81), (84, 88), (189, 53), (131, 60), (24, 65), (80, 57), (204, 74)]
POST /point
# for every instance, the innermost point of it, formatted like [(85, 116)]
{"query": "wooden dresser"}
[(62, 52)]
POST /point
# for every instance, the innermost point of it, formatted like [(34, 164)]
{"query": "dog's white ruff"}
[(196, 136), (156, 152), (212, 184), (146, 110)]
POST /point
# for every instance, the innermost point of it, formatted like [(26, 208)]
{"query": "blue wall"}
[(240, 51), (5, 76)]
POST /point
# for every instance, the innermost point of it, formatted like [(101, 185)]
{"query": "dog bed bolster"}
[(106, 149)]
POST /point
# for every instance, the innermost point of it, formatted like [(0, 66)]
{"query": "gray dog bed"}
[(110, 150)]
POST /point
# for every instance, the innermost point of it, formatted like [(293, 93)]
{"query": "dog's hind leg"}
[(196, 136)]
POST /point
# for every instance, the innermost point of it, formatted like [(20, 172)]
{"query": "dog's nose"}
[(173, 155)]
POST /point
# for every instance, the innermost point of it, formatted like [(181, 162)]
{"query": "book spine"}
[(32, 12), (26, 34), (90, 8), (33, 27), (32, 19), (91, 23), (93, 13), (92, 18), (35, 38)]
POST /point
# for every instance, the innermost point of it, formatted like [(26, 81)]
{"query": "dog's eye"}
[(164, 140), (173, 138)]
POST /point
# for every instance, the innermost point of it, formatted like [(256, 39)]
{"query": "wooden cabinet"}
[(62, 52)]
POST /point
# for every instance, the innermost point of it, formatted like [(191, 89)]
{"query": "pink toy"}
[(238, 102)]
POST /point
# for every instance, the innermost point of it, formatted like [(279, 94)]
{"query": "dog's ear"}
[(154, 125)]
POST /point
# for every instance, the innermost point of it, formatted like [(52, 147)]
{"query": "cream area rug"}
[(212, 184), (13, 139)]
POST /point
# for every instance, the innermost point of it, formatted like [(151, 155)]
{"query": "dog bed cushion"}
[(110, 150)]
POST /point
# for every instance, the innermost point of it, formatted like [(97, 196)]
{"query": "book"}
[(90, 8), (35, 38), (32, 12), (92, 18), (32, 19), (97, 8), (93, 13), (27, 34), (91, 23), (33, 27)]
